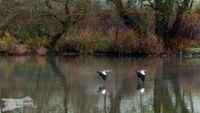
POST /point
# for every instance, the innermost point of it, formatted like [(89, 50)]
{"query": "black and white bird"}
[(141, 74), (103, 74)]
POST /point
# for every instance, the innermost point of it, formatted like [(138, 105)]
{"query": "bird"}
[(103, 74), (141, 74)]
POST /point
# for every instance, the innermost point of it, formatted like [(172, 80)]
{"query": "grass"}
[(194, 50), (9, 45), (123, 42)]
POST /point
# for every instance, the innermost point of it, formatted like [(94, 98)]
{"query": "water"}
[(71, 85)]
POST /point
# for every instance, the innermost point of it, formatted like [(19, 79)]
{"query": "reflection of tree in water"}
[(63, 81), (57, 81), (124, 86), (30, 77), (115, 98), (166, 100), (76, 96)]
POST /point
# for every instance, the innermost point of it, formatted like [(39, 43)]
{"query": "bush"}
[(8, 43), (84, 42), (177, 45), (38, 46), (121, 41), (152, 45)]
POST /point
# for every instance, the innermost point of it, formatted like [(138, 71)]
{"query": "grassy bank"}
[(86, 42)]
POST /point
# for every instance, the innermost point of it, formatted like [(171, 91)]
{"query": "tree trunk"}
[(128, 20), (180, 13), (163, 10), (55, 39)]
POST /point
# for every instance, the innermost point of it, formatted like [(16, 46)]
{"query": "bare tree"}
[(164, 26)]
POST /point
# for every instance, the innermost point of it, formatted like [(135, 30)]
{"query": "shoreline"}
[(110, 54)]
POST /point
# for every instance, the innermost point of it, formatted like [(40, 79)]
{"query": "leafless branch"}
[(57, 18), (151, 4), (66, 7)]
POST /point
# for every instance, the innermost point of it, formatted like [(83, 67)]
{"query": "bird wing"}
[(104, 72), (142, 72)]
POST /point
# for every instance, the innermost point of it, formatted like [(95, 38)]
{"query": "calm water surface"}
[(71, 85)]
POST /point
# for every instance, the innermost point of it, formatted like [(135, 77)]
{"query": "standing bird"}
[(103, 74), (141, 74)]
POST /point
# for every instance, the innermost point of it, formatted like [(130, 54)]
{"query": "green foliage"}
[(197, 9), (194, 50)]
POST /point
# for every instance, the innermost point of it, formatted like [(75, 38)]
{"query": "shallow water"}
[(71, 85)]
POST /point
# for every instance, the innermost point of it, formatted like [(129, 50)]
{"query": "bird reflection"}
[(140, 87), (11, 104), (102, 90)]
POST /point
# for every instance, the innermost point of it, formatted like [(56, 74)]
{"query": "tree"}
[(130, 19), (64, 15), (49, 18), (165, 26)]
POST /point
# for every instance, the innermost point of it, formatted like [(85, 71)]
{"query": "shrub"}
[(21, 49), (39, 46), (8, 43), (177, 45), (41, 51), (84, 42), (120, 41)]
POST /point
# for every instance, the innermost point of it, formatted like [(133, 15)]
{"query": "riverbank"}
[(189, 54), (94, 44)]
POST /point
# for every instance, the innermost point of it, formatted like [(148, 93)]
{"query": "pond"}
[(71, 85)]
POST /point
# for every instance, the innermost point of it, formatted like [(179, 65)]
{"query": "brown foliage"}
[(121, 42)]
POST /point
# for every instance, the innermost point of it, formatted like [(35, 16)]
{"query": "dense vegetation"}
[(147, 27)]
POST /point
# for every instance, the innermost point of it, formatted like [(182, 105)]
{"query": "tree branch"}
[(151, 4), (54, 16), (66, 7), (48, 4)]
